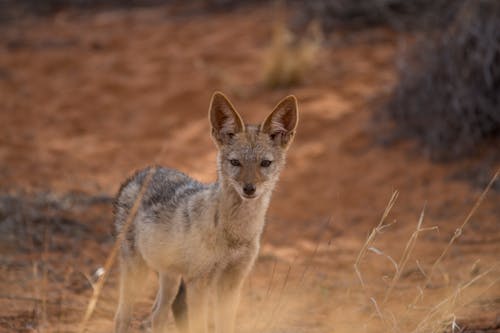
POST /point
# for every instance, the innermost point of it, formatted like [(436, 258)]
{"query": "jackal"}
[(202, 239)]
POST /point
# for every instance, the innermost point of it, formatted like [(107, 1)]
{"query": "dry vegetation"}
[(290, 59), (437, 301), (448, 94), (397, 14), (436, 317)]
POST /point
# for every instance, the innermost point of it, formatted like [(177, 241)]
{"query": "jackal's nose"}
[(249, 189)]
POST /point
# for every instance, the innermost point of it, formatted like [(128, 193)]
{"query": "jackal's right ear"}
[(282, 122), (225, 121)]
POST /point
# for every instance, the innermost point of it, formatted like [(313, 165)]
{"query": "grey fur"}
[(216, 218), (169, 189)]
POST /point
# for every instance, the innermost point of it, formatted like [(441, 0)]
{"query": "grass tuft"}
[(289, 59)]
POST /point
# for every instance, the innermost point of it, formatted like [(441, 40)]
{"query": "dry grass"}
[(284, 299), (290, 59), (441, 317), (438, 317), (373, 234), (394, 306), (110, 260)]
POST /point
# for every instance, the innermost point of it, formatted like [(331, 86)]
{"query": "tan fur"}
[(208, 235)]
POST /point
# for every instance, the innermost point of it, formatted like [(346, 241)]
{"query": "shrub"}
[(448, 95), (399, 14)]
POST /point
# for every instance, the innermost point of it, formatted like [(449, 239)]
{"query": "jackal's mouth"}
[(246, 196)]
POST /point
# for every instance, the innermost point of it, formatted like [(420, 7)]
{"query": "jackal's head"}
[(251, 156)]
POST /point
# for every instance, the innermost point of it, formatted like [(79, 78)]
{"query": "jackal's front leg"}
[(133, 272), (168, 285), (228, 296), (197, 303)]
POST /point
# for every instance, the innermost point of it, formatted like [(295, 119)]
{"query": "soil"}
[(86, 98)]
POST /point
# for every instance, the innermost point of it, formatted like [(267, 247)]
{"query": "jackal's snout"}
[(249, 190)]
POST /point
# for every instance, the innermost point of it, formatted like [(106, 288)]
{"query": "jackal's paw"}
[(146, 325)]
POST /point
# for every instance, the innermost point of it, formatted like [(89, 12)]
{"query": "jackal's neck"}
[(243, 218)]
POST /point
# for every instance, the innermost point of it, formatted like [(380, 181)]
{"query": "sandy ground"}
[(85, 99)]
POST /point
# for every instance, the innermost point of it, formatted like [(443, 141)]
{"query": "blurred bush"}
[(12, 9), (448, 94), (290, 58), (398, 14)]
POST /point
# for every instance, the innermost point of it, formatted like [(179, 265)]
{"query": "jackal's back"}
[(168, 190)]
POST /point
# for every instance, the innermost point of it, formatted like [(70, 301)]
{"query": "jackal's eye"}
[(265, 163), (235, 162)]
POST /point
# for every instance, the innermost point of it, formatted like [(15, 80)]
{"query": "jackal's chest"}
[(197, 253), (207, 262), (220, 250)]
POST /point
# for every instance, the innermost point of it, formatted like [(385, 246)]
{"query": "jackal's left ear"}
[(225, 121), (282, 122)]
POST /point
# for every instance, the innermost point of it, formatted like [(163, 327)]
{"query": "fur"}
[(203, 239)]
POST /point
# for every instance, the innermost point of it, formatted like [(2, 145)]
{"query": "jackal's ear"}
[(225, 121), (282, 122)]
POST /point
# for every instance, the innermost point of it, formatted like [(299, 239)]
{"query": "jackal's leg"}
[(147, 323), (228, 288), (197, 300), (180, 310), (132, 274), (166, 293), (157, 299)]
